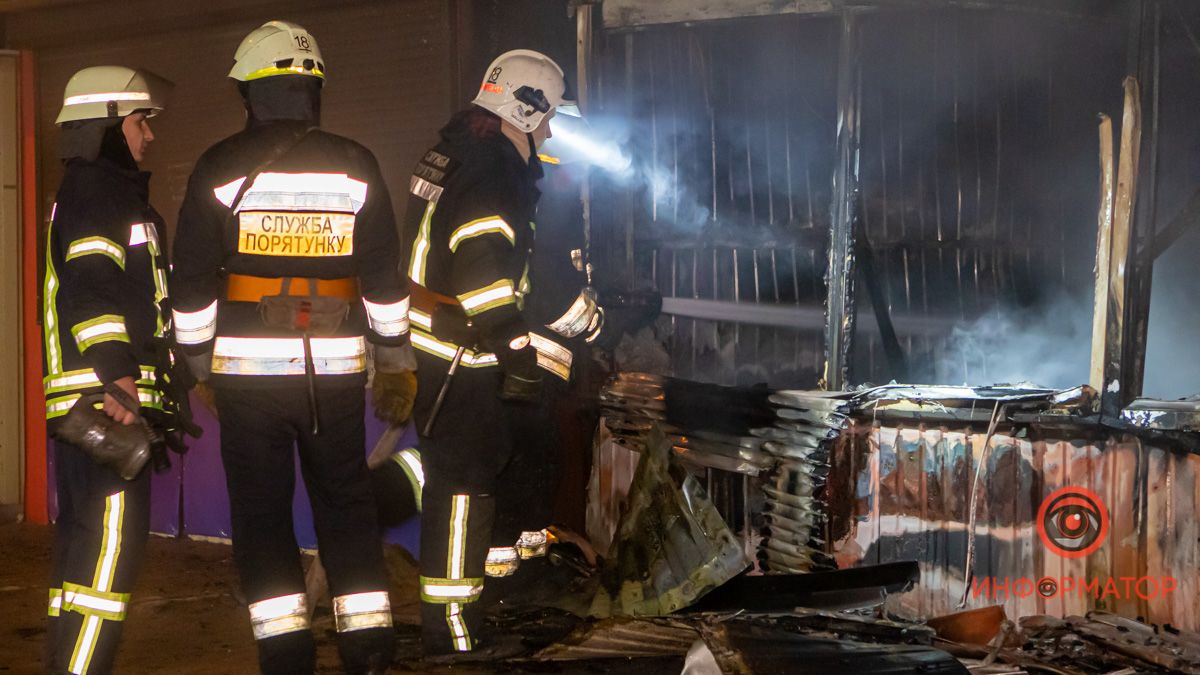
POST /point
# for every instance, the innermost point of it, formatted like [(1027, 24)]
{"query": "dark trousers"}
[(99, 541), (261, 430), (490, 473)]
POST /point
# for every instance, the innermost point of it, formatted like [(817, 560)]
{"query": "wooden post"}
[(1103, 253)]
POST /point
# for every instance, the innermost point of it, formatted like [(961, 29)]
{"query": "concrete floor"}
[(184, 616)]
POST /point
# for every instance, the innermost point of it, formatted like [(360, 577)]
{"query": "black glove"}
[(522, 376)]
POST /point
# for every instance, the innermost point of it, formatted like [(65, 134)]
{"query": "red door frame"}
[(35, 419)]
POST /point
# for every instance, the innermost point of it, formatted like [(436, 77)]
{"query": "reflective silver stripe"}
[(58, 406), (388, 319), (362, 610), (532, 544), (285, 356), (55, 606), (578, 317), (480, 227), (193, 328), (105, 98), (276, 616), (420, 253), (278, 191), (552, 356), (502, 561), (458, 627), (489, 297), (142, 233), (424, 189), (227, 192)]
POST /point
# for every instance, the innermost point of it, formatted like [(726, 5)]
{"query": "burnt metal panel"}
[(908, 489)]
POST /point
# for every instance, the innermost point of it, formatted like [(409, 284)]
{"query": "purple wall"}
[(199, 480)]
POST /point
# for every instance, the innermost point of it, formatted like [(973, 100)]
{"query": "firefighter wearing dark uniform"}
[(105, 287), (287, 268), (470, 234)]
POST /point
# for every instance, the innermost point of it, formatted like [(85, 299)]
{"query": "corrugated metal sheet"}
[(909, 490)]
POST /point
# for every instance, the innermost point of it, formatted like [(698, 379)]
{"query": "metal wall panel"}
[(911, 489)]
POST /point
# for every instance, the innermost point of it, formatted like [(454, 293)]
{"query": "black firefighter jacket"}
[(320, 210), (105, 285), (469, 232)]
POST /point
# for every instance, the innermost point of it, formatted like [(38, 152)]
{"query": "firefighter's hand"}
[(114, 409), (522, 376), (393, 395)]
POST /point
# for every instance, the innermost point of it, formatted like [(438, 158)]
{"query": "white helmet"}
[(522, 86), (112, 91), (277, 48)]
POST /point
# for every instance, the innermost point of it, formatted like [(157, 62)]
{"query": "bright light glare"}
[(605, 155)]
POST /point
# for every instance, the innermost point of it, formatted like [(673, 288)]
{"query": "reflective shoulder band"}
[(357, 611), (193, 328), (97, 245), (480, 227), (276, 616), (552, 356), (388, 319), (441, 591)]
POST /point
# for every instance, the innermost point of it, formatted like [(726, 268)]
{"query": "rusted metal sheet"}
[(908, 489)]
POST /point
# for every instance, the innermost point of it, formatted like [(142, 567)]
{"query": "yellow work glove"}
[(393, 395)]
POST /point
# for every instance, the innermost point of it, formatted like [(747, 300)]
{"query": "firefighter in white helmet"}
[(105, 294), (287, 269), (469, 235)]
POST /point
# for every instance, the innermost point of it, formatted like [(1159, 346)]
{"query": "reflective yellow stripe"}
[(97, 245), (357, 611), (420, 255), (75, 380), (458, 627), (279, 615), (493, 295), (387, 319), (92, 602), (552, 356), (456, 556), (54, 608), (61, 405), (445, 350), (410, 462), (106, 568), (50, 304), (480, 227), (438, 590), (104, 328), (290, 70)]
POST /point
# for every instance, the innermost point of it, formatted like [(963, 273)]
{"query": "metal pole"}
[(839, 275), (583, 60)]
